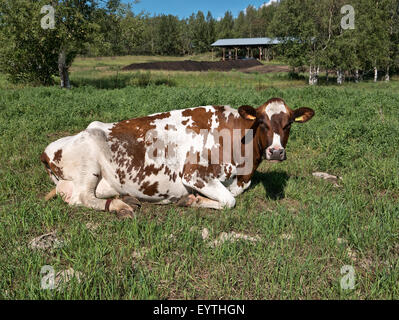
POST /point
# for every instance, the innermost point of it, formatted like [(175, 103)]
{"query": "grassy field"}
[(307, 229), (105, 73)]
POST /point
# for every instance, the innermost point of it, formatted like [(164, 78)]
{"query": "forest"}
[(358, 41)]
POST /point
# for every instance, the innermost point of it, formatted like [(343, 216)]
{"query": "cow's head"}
[(273, 120)]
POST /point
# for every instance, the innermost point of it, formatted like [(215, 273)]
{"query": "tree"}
[(224, 27), (211, 30), (168, 39), (199, 33), (294, 24), (132, 28), (240, 26), (32, 53)]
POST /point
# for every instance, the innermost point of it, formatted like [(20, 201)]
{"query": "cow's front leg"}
[(237, 187), (197, 201), (218, 195)]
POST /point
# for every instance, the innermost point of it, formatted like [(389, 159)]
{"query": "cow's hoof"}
[(187, 201), (132, 201), (125, 214)]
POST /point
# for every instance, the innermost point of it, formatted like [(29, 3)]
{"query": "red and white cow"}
[(199, 157)]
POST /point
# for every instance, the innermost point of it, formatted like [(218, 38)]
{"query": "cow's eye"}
[(265, 125)]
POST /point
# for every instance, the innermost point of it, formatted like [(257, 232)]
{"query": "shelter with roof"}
[(261, 44)]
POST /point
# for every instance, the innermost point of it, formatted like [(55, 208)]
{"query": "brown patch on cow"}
[(51, 167), (227, 171), (46, 161), (57, 156), (199, 184), (149, 189), (172, 176), (167, 170), (57, 171), (121, 175), (164, 195), (170, 127), (129, 147), (204, 172), (202, 119)]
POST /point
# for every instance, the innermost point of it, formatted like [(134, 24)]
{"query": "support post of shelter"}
[(224, 54)]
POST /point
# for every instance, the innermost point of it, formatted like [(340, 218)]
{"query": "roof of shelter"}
[(244, 42)]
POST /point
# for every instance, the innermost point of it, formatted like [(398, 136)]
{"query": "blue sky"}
[(184, 8)]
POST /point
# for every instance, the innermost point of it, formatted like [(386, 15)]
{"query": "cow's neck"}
[(259, 145)]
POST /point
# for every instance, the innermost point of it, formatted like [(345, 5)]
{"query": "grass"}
[(308, 228)]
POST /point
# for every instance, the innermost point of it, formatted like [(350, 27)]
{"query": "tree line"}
[(311, 33), (123, 32)]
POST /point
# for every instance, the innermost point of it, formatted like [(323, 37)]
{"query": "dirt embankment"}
[(267, 69), (189, 65)]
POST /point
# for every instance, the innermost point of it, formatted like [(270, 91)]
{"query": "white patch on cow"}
[(229, 110), (276, 141), (100, 125), (215, 122), (275, 108), (210, 140), (181, 140)]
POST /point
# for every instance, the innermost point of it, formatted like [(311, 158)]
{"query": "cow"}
[(199, 157)]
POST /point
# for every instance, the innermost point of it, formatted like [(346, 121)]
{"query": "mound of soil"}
[(267, 69), (189, 65)]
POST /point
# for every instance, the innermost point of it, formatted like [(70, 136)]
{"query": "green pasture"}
[(307, 229)]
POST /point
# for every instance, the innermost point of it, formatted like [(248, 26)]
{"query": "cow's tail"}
[(45, 160), (52, 194)]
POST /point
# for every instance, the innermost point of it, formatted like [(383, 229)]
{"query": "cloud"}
[(266, 4)]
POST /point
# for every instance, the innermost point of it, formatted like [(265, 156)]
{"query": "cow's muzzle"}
[(274, 154)]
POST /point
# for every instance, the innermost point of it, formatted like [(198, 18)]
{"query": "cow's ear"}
[(302, 115), (247, 112)]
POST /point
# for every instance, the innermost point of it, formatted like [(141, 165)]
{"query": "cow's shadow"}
[(274, 183)]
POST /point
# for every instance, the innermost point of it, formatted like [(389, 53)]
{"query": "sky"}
[(184, 8)]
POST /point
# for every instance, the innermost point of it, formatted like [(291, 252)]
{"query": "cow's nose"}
[(277, 154)]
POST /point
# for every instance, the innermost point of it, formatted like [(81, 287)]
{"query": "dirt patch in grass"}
[(189, 65), (267, 69), (292, 205)]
